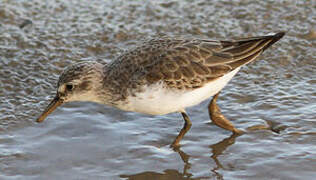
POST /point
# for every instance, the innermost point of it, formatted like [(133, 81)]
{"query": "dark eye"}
[(69, 87)]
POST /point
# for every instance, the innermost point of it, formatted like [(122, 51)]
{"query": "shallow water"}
[(85, 140)]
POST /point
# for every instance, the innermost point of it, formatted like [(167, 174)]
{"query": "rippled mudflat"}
[(85, 140)]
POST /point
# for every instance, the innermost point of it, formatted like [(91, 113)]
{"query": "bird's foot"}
[(221, 121)]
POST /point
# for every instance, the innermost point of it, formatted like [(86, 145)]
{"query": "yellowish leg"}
[(185, 129), (219, 119)]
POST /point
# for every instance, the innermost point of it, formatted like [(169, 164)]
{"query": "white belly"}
[(157, 100)]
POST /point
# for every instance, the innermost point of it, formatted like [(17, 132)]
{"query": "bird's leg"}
[(219, 119), (185, 129)]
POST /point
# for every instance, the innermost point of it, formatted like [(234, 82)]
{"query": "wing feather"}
[(182, 63)]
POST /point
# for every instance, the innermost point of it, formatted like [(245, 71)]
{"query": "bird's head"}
[(78, 82)]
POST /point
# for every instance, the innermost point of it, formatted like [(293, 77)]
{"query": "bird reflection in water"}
[(216, 149)]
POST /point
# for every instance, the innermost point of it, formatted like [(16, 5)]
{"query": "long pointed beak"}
[(50, 108)]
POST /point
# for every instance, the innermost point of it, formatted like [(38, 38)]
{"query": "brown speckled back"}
[(182, 63)]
